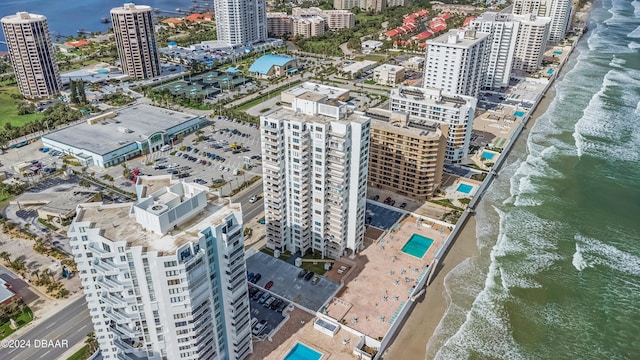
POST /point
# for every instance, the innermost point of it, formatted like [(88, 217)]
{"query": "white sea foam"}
[(635, 33), (633, 45), (578, 260), (596, 252)]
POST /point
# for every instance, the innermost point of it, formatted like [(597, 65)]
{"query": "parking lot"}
[(272, 315), (381, 217), (232, 145), (286, 283)]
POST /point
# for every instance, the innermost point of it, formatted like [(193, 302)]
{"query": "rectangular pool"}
[(417, 245), (487, 155), (465, 188), (550, 72), (518, 113), (557, 52), (301, 351)]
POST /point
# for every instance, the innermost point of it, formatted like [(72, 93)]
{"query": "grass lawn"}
[(266, 96), (10, 112), (22, 319), (80, 354)]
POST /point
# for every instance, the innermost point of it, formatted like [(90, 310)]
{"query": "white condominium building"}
[(339, 19), (241, 22), (454, 110), (533, 33), (136, 40), (366, 5), (503, 30), (560, 12), (32, 55), (315, 159), (455, 62), (165, 277)]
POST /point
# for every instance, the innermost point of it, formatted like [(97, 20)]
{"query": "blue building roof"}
[(264, 63)]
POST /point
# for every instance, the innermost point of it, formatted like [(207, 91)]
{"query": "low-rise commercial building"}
[(389, 75), (270, 66), (114, 137)]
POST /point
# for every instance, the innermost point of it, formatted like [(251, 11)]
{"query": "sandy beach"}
[(411, 342)]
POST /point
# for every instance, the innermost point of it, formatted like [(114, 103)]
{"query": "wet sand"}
[(411, 341)]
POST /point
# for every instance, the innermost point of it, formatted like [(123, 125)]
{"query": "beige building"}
[(32, 55), (394, 3), (308, 26), (279, 24), (389, 75), (531, 42), (406, 154), (365, 5), (136, 40), (339, 19), (331, 92)]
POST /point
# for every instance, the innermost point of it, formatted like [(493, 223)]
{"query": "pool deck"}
[(393, 272)]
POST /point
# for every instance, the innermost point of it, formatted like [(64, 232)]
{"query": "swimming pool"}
[(301, 351), (518, 113), (465, 188), (417, 245), (487, 155), (557, 52), (102, 71), (550, 72)]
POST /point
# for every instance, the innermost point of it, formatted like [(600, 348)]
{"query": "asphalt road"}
[(249, 210), (71, 323)]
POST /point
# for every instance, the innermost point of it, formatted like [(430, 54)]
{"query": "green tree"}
[(82, 92), (74, 92)]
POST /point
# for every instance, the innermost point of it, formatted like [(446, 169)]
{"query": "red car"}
[(269, 285)]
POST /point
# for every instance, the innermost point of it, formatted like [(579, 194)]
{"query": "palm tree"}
[(36, 272), (92, 342), (5, 256), (125, 171)]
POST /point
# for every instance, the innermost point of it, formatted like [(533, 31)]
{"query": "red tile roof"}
[(78, 43)]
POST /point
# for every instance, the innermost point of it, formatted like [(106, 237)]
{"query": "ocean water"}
[(558, 276), (66, 18)]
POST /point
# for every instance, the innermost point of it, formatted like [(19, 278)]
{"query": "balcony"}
[(113, 301), (105, 268), (109, 284)]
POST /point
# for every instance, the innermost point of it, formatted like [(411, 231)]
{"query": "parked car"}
[(269, 301), (253, 199), (263, 298), (257, 278), (375, 198), (302, 273), (259, 327), (269, 285), (309, 275), (275, 304), (257, 295), (403, 205), (315, 280)]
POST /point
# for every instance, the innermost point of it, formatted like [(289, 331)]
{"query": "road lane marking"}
[(43, 355)]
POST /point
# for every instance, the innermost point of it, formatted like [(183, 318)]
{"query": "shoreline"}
[(411, 343)]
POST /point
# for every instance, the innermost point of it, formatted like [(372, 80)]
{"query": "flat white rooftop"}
[(130, 124)]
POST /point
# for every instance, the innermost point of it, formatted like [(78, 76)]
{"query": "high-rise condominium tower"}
[(456, 111), (560, 12), (241, 22), (455, 62), (136, 40), (315, 158), (501, 45), (165, 277), (32, 55)]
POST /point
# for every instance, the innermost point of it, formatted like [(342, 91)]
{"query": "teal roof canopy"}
[(264, 63)]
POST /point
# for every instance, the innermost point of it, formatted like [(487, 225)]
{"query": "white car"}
[(220, 168), (253, 199)]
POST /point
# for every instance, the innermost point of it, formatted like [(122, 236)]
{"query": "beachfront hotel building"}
[(136, 40), (32, 55), (503, 30), (559, 11), (455, 111), (407, 153), (165, 277), (315, 156), (241, 22), (531, 43), (454, 62)]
